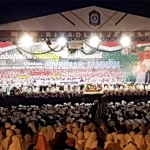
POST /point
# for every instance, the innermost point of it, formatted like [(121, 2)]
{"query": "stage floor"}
[(17, 100), (21, 100)]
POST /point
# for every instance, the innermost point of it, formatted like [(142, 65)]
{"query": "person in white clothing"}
[(145, 61), (35, 89), (48, 89), (140, 77), (4, 88), (29, 90), (24, 89)]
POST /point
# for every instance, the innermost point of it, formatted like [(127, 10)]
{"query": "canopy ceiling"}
[(78, 20)]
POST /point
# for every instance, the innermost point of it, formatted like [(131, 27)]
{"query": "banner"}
[(135, 35), (108, 66)]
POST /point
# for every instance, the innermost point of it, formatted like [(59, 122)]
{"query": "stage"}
[(21, 100)]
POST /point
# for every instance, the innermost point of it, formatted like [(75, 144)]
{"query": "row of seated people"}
[(109, 89)]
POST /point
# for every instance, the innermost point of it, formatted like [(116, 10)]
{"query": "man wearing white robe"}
[(24, 89), (146, 63), (29, 89), (35, 89)]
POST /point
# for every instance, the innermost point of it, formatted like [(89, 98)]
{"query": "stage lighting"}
[(26, 41), (62, 41), (125, 41), (94, 41), (45, 46)]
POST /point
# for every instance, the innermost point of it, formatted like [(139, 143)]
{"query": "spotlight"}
[(125, 41), (45, 46), (94, 41), (26, 41), (62, 41)]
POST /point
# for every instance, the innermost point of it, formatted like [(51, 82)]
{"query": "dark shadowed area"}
[(19, 10)]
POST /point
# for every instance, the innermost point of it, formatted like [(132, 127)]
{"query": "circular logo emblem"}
[(94, 17)]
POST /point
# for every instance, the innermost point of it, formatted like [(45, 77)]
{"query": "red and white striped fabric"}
[(113, 46), (108, 46)]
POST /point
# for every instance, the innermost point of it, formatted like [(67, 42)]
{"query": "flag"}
[(106, 46)]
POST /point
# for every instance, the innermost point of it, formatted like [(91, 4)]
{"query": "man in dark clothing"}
[(99, 110), (60, 141)]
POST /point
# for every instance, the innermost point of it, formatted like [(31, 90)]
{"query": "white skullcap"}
[(111, 103), (20, 106), (28, 113), (81, 120), (131, 102), (69, 104), (121, 119), (136, 82), (76, 104), (82, 104), (50, 117), (38, 117)]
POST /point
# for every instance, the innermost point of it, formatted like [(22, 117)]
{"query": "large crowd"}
[(123, 126), (72, 90)]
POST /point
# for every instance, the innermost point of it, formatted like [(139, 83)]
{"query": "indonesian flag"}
[(110, 46), (7, 46), (106, 46), (114, 46)]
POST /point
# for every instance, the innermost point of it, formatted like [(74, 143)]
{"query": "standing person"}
[(141, 75), (95, 114), (59, 142), (99, 110)]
